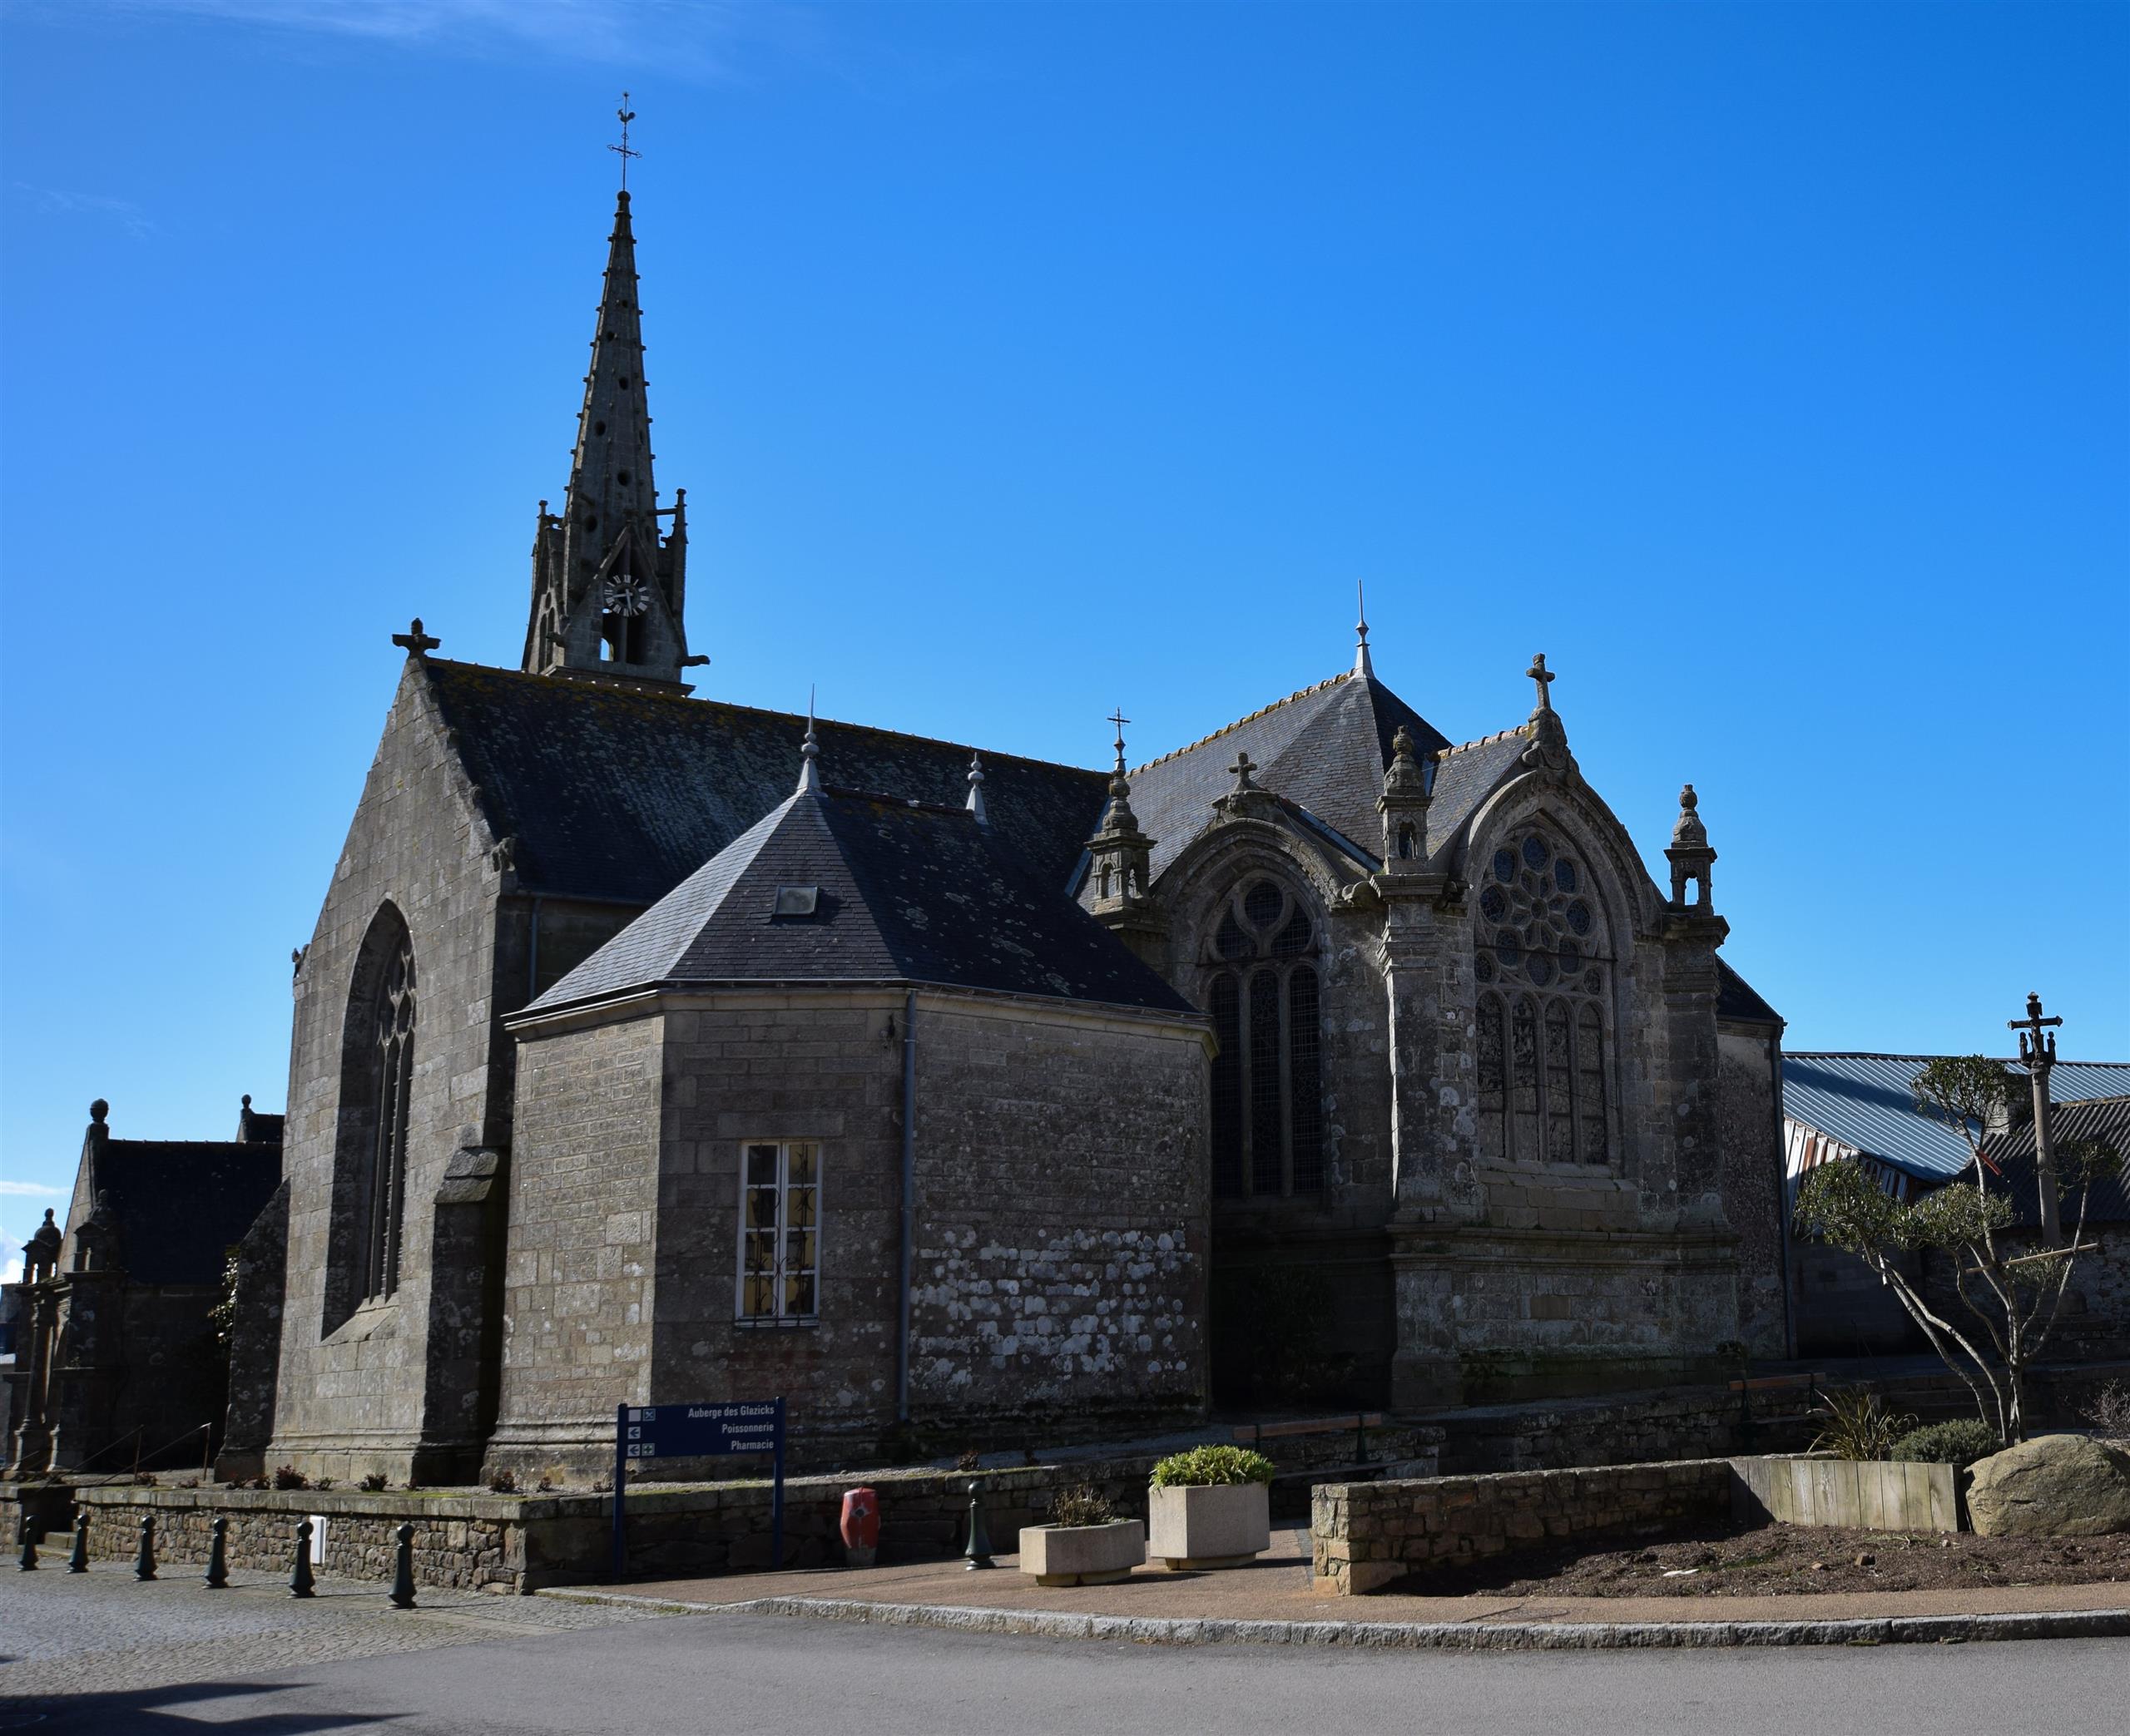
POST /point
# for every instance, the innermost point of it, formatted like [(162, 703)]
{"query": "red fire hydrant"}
[(861, 1526)]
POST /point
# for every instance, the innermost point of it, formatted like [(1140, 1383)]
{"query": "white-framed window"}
[(780, 1219)]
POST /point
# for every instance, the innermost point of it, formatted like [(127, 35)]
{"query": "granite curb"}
[(1420, 1636)]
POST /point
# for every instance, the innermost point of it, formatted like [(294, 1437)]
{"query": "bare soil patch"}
[(1773, 1559)]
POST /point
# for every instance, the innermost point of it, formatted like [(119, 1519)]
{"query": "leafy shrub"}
[(1203, 1466), (287, 1477), (374, 1482), (1858, 1425), (1960, 1442), (323, 1482), (1085, 1505), (971, 1460), (502, 1482)]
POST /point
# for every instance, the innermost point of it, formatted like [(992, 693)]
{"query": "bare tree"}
[(2010, 1300)]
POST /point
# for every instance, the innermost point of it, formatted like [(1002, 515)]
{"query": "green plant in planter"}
[(1085, 1505), (1959, 1443), (1859, 1426), (1205, 1466)]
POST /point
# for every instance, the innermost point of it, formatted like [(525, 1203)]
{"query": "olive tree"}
[(2008, 1300)]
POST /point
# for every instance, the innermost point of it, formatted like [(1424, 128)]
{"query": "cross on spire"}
[(1119, 720), (1242, 768), (621, 149), (1544, 677)]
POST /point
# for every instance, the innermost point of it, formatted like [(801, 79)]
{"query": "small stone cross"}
[(1242, 768), (417, 644), (2031, 1039), (1543, 677)]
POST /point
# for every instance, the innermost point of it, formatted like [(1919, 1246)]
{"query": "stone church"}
[(652, 1048)]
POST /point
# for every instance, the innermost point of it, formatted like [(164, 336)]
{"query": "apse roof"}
[(899, 891)]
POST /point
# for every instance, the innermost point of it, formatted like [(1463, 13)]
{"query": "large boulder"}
[(2053, 1485)]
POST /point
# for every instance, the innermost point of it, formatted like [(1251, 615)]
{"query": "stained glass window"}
[(779, 1228), (1267, 1078), (1543, 965), (393, 1033)]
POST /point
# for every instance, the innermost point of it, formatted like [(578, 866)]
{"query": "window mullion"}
[(1286, 1087)]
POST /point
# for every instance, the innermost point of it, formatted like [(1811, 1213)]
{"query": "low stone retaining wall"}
[(1364, 1535)]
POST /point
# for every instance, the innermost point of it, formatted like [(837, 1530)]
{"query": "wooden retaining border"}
[(1857, 1493)]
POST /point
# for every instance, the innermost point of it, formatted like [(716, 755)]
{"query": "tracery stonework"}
[(1265, 999), (1544, 964)]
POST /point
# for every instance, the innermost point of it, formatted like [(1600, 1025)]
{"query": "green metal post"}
[(218, 1554)]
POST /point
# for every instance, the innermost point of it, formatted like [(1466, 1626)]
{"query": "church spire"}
[(608, 589)]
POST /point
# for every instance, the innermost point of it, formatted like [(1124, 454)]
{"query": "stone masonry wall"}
[(1750, 1119), (1063, 1199), (1365, 1535), (578, 1275), (350, 1393)]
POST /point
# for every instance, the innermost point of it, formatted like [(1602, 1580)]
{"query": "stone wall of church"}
[(1063, 1243), (1751, 1127), (351, 1394), (1061, 1208), (579, 1272)]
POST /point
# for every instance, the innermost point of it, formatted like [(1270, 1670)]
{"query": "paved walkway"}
[(1276, 1588), (104, 1631)]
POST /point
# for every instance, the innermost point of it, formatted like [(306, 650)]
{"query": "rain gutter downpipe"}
[(909, 1202)]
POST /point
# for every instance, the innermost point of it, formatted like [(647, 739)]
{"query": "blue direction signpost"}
[(698, 1431)]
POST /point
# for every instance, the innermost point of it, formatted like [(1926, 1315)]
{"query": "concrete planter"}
[(1219, 1525), (1082, 1555)]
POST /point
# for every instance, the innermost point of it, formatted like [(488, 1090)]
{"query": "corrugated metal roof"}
[(1868, 1102)]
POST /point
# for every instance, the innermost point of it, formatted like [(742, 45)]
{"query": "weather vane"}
[(621, 149)]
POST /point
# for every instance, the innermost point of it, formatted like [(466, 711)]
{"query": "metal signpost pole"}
[(776, 1494), (621, 1483)]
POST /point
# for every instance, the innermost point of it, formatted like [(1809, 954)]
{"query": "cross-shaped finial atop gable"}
[(415, 641), (1242, 768), (1543, 676)]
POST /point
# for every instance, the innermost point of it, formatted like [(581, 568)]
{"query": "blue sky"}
[(1764, 365)]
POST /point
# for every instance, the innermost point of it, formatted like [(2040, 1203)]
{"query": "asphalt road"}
[(766, 1676)]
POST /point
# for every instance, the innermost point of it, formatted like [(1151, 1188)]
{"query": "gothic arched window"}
[(1268, 1083), (1542, 962), (377, 1079)]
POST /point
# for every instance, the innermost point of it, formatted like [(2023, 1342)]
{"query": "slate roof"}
[(178, 1205), (1325, 747), (2101, 1118), (909, 893), (1867, 1102), (1735, 998), (612, 795)]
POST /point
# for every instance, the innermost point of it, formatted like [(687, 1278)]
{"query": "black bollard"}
[(403, 1569), (978, 1551), (299, 1579), (78, 1560), (30, 1530), (144, 1563), (218, 1556)]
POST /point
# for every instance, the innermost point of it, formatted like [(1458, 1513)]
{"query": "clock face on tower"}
[(627, 595)]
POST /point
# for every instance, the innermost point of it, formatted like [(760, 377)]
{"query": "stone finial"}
[(41, 1252), (975, 803), (1689, 855), (98, 1110), (1689, 829), (1545, 678), (415, 641), (1244, 784), (1362, 666), (1548, 749), (1405, 777), (1404, 807)]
